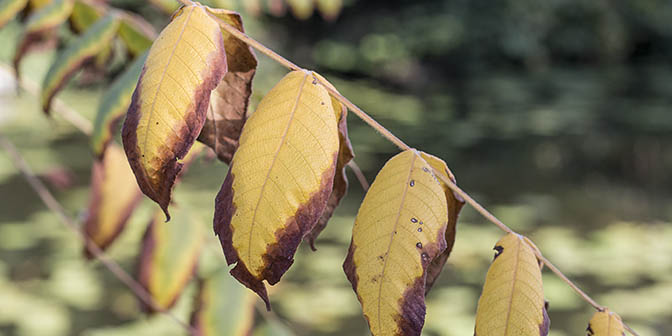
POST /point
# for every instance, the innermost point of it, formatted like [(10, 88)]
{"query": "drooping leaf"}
[(228, 106), (114, 196), (170, 102), (605, 323), (455, 203), (84, 14), (39, 24), (9, 9), (113, 106), (223, 307), (399, 230), (330, 9), (302, 9), (345, 155), (512, 302), (136, 33), (170, 252), (87, 46), (279, 181)]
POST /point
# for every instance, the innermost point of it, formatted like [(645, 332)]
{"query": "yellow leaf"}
[(345, 155), (512, 302), (170, 102), (399, 230), (228, 106), (114, 196), (279, 180), (455, 203), (605, 323)]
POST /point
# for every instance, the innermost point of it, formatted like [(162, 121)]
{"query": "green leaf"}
[(169, 256), (9, 9), (85, 14), (136, 33), (95, 40), (224, 306), (40, 23), (113, 106)]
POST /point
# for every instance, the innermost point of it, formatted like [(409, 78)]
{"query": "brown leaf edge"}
[(412, 317), (90, 223), (455, 204), (280, 255), (227, 112), (182, 142), (345, 155), (145, 265), (45, 38)]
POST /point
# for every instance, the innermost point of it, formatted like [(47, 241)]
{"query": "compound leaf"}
[(512, 302), (9, 9), (114, 196), (87, 46), (228, 106), (399, 230), (39, 24), (171, 99), (170, 252), (279, 180), (113, 106), (223, 307), (605, 323)]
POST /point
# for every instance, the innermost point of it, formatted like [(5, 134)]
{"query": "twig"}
[(403, 146), (359, 174), (53, 205)]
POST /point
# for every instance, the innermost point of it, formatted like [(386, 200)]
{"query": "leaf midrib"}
[(156, 95)]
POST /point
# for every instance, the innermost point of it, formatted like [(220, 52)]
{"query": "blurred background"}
[(554, 114)]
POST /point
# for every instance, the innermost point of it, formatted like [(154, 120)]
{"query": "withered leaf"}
[(170, 102), (279, 181), (399, 229), (228, 105)]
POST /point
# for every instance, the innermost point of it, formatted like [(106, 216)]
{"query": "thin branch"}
[(254, 43), (53, 205), (359, 174), (403, 146)]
